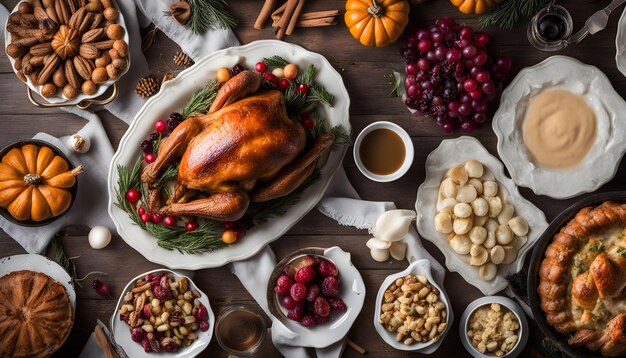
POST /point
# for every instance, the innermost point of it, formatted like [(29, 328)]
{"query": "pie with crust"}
[(35, 315), (582, 280)]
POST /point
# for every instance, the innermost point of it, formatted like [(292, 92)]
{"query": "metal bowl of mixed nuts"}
[(413, 312), (493, 326), (162, 311), (68, 51)]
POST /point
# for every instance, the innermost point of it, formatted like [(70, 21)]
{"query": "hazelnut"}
[(121, 47), (69, 91), (58, 77), (119, 63), (18, 63), (14, 50), (88, 87), (113, 71), (110, 13), (49, 90), (99, 75), (103, 60), (48, 3), (113, 54), (25, 8), (115, 31)]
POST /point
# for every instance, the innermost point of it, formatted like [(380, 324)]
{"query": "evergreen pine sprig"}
[(275, 61), (201, 100), (506, 14), (59, 256), (210, 15), (170, 173)]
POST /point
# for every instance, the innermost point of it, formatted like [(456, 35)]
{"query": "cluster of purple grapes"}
[(450, 76)]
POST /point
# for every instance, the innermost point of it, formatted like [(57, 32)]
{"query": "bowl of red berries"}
[(451, 76), (317, 294)]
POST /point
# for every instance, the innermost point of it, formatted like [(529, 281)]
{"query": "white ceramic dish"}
[(103, 87), (620, 44), (420, 267), (42, 264), (351, 291), (408, 146), (452, 152), (506, 302), (600, 164), (121, 331), (172, 97)]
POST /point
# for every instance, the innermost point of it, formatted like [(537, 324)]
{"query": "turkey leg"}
[(229, 206), (295, 173), (238, 87)]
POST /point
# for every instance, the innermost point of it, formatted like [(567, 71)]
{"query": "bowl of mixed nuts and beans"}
[(162, 311), (413, 313)]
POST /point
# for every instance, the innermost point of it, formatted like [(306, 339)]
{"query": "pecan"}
[(27, 68), (33, 77), (97, 18), (52, 14), (21, 76), (92, 35), (18, 63), (41, 49), (72, 5), (104, 45), (84, 26), (51, 65), (40, 14), (37, 61), (88, 51), (94, 6), (140, 301), (77, 18), (134, 320), (63, 11), (71, 75), (83, 67), (48, 27)]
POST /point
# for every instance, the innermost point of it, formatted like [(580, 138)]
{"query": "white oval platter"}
[(600, 164), (452, 152), (172, 97)]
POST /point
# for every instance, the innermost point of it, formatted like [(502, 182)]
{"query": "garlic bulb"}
[(99, 237), (391, 229), (79, 143)]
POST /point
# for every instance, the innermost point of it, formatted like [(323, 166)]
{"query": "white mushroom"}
[(443, 223), (504, 235), (481, 255), (478, 235), (461, 244), (487, 272), (447, 188), (519, 226), (459, 175), (505, 214), (462, 225), (490, 188), (466, 194), (446, 205), (474, 168), (480, 206), (497, 254), (398, 250), (495, 206), (477, 184), (462, 210)]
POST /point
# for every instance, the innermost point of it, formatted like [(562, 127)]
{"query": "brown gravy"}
[(382, 151)]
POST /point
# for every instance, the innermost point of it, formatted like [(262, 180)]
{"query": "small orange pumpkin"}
[(376, 22), (474, 6), (35, 183)]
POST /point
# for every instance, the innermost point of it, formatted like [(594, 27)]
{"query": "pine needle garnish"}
[(59, 256), (210, 15), (506, 14), (201, 100), (320, 94), (170, 173), (518, 284), (205, 239), (275, 61)]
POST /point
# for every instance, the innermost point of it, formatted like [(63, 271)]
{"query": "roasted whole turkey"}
[(244, 149)]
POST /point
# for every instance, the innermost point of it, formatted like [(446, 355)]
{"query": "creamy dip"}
[(559, 129)]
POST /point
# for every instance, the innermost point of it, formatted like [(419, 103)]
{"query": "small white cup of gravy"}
[(383, 151)]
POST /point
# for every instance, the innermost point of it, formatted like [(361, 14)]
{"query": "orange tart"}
[(582, 283), (35, 315)]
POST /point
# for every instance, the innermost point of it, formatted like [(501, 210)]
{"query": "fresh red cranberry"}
[(147, 310), (160, 126), (288, 302), (201, 313), (321, 306), (260, 67), (330, 286), (303, 88), (283, 285), (297, 291), (204, 326), (270, 77), (136, 334), (283, 84), (133, 195), (191, 226), (156, 218), (169, 221), (141, 210), (305, 274), (327, 268), (161, 293), (149, 158), (145, 217)]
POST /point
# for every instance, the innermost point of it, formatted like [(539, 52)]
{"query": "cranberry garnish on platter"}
[(450, 76)]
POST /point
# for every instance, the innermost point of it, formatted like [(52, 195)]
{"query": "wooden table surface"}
[(363, 70)]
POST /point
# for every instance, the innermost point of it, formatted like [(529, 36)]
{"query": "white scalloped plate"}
[(620, 44), (172, 97), (81, 96), (121, 330), (600, 164), (452, 152)]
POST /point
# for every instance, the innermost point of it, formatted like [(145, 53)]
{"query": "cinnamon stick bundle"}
[(289, 15)]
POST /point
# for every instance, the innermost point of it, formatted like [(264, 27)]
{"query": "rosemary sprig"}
[(59, 256), (506, 14), (307, 76), (320, 94), (210, 15), (275, 61), (201, 100), (262, 212), (298, 103), (170, 173), (206, 238)]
